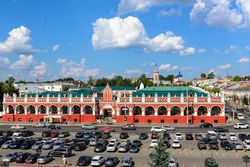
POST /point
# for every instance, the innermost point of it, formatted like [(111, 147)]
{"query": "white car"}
[(176, 144), (114, 141), (173, 163), (240, 116), (232, 136), (246, 144), (240, 126), (168, 128), (97, 161), (153, 143), (17, 134), (112, 147), (39, 125), (178, 136), (157, 129), (17, 127)]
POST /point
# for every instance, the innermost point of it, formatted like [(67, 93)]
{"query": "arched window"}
[(42, 109), (149, 110), (175, 111), (215, 111), (64, 109), (162, 110), (53, 110), (20, 109), (123, 109), (202, 110), (88, 110), (190, 110), (9, 108), (137, 110), (31, 109), (76, 109)]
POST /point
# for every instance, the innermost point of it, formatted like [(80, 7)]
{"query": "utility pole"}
[(125, 113), (187, 104)]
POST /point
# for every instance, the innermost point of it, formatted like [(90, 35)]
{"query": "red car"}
[(54, 134), (109, 129)]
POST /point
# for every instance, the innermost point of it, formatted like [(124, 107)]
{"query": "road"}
[(245, 113)]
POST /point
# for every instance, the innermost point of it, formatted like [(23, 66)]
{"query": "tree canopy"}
[(210, 75), (65, 79), (237, 78), (116, 81), (203, 75)]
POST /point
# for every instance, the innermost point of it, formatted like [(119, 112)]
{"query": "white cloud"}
[(224, 67), (165, 67), (216, 51), (244, 5), (171, 12), (248, 48), (24, 62), (128, 6), (231, 48), (202, 50), (175, 67), (244, 60), (55, 47), (197, 11), (17, 42), (211, 70), (187, 68), (145, 64), (129, 32), (112, 75), (152, 64), (4, 61), (39, 70), (59, 60), (137, 71), (92, 72), (188, 51)]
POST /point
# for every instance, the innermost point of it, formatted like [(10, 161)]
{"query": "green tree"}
[(161, 77), (170, 78), (203, 75), (159, 156), (210, 75), (91, 81), (211, 162), (237, 78), (245, 100)]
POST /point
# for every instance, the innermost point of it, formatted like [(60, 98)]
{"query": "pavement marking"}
[(186, 152), (198, 153), (223, 154)]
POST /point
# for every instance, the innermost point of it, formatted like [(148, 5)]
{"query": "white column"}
[(15, 110), (25, 110), (117, 112), (222, 112), (4, 112), (47, 110), (182, 112), (156, 112), (93, 111), (36, 111), (7, 110), (130, 111), (209, 112), (70, 110), (81, 109), (169, 112), (143, 112), (195, 111)]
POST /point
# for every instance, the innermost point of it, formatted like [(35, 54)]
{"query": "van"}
[(60, 152), (240, 116)]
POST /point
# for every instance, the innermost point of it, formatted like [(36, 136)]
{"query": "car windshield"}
[(48, 142), (178, 134), (9, 155), (37, 144), (110, 159), (247, 143), (111, 145), (125, 161)]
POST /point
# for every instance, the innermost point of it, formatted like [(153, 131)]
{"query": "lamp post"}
[(125, 113), (68, 109), (187, 104), (246, 159)]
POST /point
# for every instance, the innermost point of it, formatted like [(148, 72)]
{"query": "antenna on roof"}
[(38, 75)]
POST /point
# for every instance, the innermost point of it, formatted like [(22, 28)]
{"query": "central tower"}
[(156, 80)]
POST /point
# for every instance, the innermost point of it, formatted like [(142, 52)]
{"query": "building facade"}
[(117, 104)]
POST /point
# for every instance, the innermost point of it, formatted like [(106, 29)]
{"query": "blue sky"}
[(63, 38)]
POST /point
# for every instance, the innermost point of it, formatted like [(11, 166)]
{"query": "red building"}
[(149, 105)]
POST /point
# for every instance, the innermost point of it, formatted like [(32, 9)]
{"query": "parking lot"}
[(189, 155)]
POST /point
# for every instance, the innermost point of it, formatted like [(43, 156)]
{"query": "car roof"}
[(126, 158), (97, 157)]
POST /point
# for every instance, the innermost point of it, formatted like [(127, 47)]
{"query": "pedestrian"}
[(64, 160)]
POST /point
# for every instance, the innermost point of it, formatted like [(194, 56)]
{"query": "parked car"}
[(154, 135), (240, 116), (97, 161), (93, 142), (166, 136), (39, 125), (242, 136), (138, 142), (189, 136), (26, 133), (112, 147), (127, 161), (219, 129), (48, 145), (124, 135), (70, 145), (157, 129), (17, 133), (32, 158), (143, 136), (108, 128), (153, 143), (206, 125), (46, 133), (21, 157), (84, 160), (176, 144), (54, 134), (123, 147), (111, 161), (37, 145), (167, 143), (44, 159), (168, 128), (80, 146), (246, 144), (54, 127), (89, 127), (208, 161), (134, 148), (212, 135), (178, 136), (79, 134), (27, 144), (226, 145), (232, 137), (17, 127), (222, 136), (206, 140), (9, 157), (240, 126), (106, 135), (213, 145), (198, 136), (64, 134), (16, 144), (59, 152), (58, 144), (7, 144), (100, 147), (87, 135), (128, 127), (173, 163), (201, 145), (97, 135), (237, 146)]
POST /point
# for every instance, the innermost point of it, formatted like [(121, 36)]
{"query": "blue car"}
[(87, 135), (134, 148)]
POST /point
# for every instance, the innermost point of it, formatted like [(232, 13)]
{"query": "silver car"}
[(58, 144), (9, 157), (237, 146), (127, 162), (92, 142), (7, 144), (37, 145), (48, 145), (123, 147), (44, 159), (111, 147)]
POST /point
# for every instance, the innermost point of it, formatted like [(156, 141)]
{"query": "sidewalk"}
[(36, 165)]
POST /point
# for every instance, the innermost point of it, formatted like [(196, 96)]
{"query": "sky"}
[(47, 40)]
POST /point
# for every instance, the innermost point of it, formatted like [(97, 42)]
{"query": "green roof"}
[(165, 90), (114, 88)]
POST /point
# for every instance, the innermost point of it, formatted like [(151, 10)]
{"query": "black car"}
[(213, 145), (75, 140), (138, 142), (243, 137), (27, 144), (54, 127), (32, 158), (198, 136), (124, 135), (84, 161), (46, 133), (134, 148), (219, 129), (226, 145), (79, 134), (97, 135), (201, 145), (2, 141), (100, 147), (206, 125), (26, 133), (21, 157), (206, 140), (166, 136), (16, 145), (189, 136), (80, 146), (167, 144), (8, 133), (111, 161), (106, 135), (143, 136)]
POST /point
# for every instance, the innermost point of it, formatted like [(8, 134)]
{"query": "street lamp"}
[(68, 109), (187, 104), (125, 113), (246, 159)]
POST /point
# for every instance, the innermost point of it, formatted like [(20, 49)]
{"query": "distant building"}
[(156, 79), (178, 79)]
